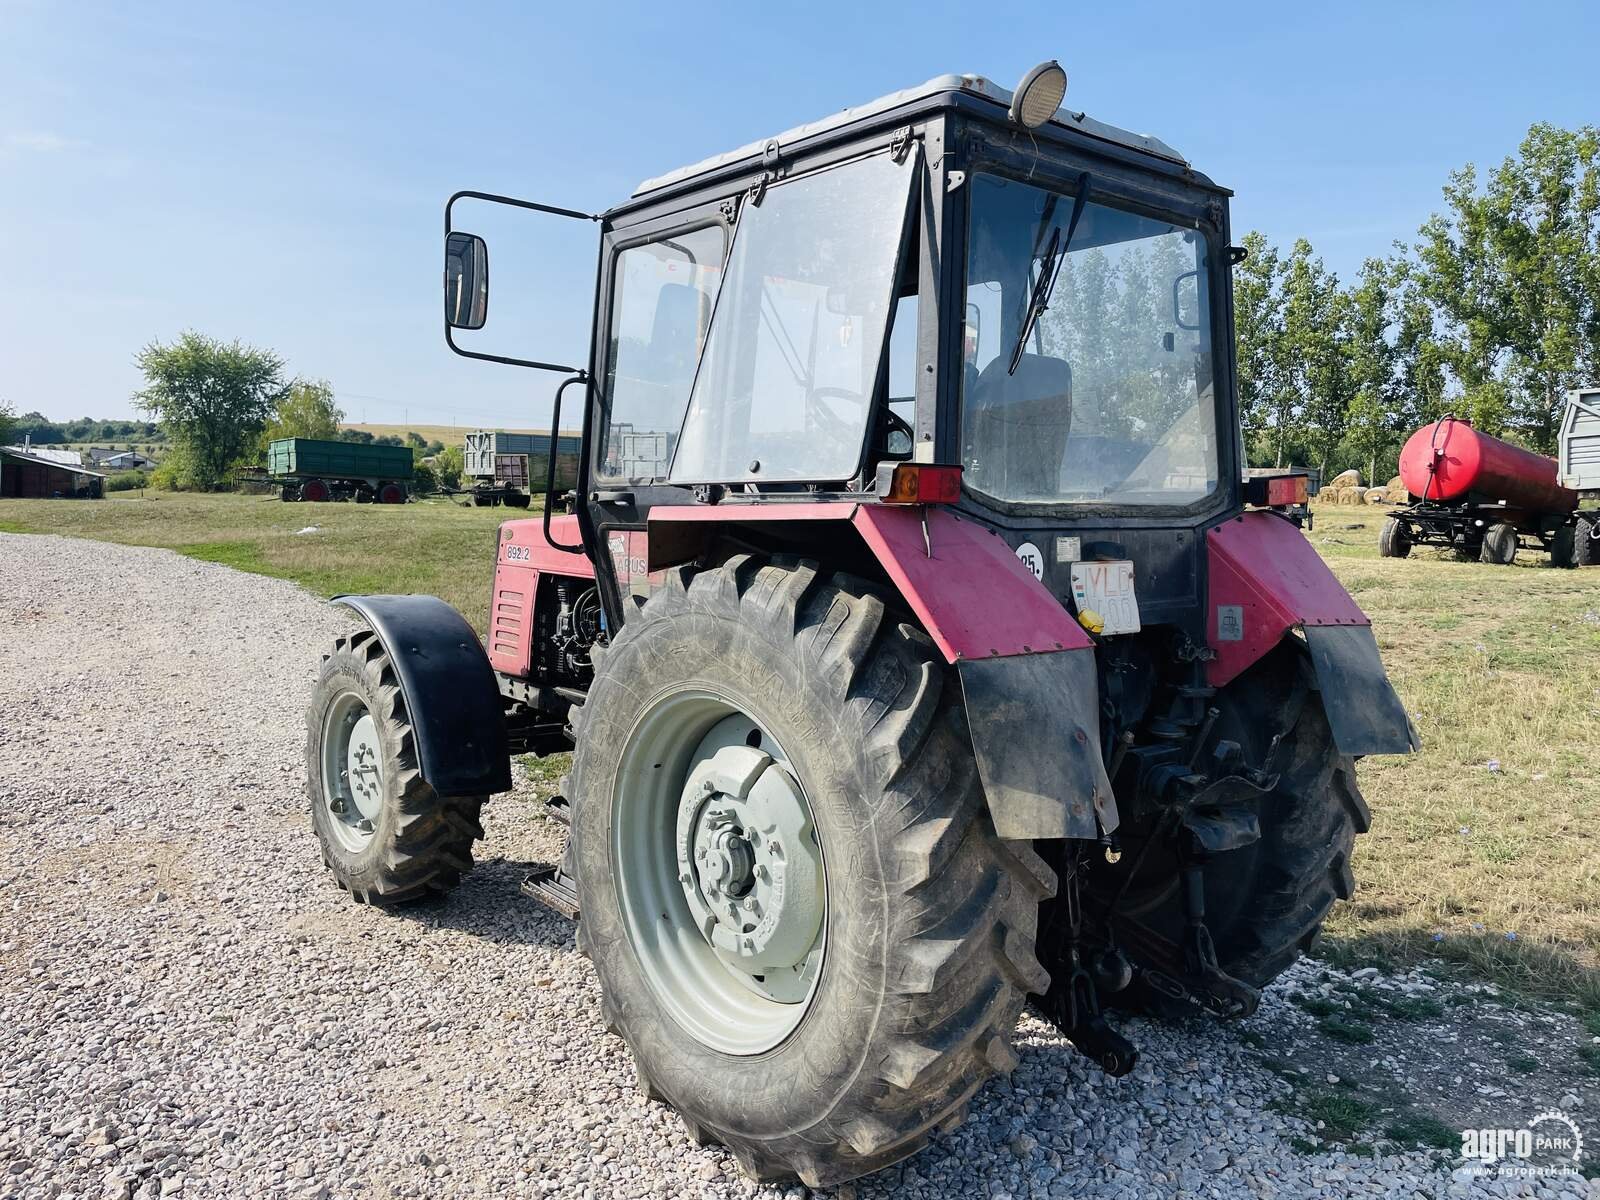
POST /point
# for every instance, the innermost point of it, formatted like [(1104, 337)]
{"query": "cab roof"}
[(975, 85)]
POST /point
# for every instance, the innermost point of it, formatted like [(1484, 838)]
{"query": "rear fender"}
[(449, 691), (1027, 669), (1265, 580)]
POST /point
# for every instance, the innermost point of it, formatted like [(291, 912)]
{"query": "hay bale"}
[(1395, 486), (1377, 496), (1344, 479)]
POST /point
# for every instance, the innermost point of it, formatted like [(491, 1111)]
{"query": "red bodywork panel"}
[(973, 595), (523, 556), (1265, 579)]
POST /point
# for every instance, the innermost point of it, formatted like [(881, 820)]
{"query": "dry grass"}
[(1496, 664), (1485, 847)]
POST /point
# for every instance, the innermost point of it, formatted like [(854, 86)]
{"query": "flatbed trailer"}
[(504, 468), (1579, 464), (317, 470)]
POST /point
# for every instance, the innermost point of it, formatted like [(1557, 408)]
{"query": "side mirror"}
[(466, 281)]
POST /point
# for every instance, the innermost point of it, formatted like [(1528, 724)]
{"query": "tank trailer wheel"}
[(1586, 540), (1394, 541), (1499, 545), (1563, 547), (386, 835), (1265, 902), (803, 922)]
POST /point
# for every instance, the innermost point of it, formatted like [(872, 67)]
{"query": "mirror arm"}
[(550, 461), (553, 210)]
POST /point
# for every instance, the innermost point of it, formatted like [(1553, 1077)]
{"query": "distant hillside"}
[(448, 434)]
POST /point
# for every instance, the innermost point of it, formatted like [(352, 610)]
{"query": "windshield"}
[(791, 361), (1108, 399)]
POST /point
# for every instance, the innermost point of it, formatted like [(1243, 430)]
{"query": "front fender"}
[(1265, 580), (449, 690)]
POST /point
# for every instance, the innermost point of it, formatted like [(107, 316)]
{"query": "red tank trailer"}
[(1479, 496)]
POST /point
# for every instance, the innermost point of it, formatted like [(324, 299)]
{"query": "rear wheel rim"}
[(720, 876), (352, 771)]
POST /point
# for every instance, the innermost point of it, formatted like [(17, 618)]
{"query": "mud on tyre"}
[(386, 835), (926, 941)]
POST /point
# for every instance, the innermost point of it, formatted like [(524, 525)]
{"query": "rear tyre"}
[(315, 490), (825, 1051), (391, 493), (1499, 545), (1394, 541), (386, 835), (517, 499), (1266, 902)]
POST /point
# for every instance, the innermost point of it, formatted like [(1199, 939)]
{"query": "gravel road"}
[(188, 1004)]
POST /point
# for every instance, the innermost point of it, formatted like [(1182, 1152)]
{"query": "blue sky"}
[(276, 172)]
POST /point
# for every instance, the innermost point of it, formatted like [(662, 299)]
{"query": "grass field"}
[(1485, 847)]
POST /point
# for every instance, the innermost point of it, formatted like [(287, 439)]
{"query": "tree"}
[(1258, 321), (447, 466), (306, 410), (8, 423), (415, 440), (1310, 399), (212, 398), (1513, 272), (1370, 359)]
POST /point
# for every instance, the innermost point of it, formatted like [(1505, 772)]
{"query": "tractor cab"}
[(915, 637), (929, 280)]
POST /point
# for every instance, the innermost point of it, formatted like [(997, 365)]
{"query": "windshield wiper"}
[(1049, 267)]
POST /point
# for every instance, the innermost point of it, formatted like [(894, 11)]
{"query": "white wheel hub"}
[(748, 863)]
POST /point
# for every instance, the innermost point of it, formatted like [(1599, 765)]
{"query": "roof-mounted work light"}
[(1039, 95)]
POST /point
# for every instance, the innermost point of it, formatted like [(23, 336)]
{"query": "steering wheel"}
[(829, 423)]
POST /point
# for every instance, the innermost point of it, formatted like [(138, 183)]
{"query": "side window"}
[(660, 307)]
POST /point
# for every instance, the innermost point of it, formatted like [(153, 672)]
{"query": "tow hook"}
[(1073, 1004)]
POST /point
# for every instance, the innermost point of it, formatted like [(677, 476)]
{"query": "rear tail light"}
[(918, 483), (1276, 491)]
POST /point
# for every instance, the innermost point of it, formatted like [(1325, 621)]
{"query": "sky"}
[(277, 173)]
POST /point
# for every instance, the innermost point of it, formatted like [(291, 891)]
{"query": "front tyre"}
[(386, 835), (803, 922)]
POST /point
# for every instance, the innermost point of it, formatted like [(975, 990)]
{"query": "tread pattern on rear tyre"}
[(1283, 891), (963, 904), (428, 847)]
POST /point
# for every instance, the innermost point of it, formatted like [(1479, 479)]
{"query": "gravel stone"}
[(190, 1006)]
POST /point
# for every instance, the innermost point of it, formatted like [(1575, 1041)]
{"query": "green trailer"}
[(313, 469)]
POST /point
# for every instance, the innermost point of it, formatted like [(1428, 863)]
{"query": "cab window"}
[(660, 308)]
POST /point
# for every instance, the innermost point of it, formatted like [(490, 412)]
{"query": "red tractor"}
[(918, 644)]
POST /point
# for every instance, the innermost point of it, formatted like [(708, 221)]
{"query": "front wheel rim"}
[(352, 771), (720, 875)]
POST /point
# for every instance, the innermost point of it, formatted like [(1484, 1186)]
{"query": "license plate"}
[(1107, 588)]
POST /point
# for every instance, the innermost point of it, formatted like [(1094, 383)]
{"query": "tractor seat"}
[(1020, 425)]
